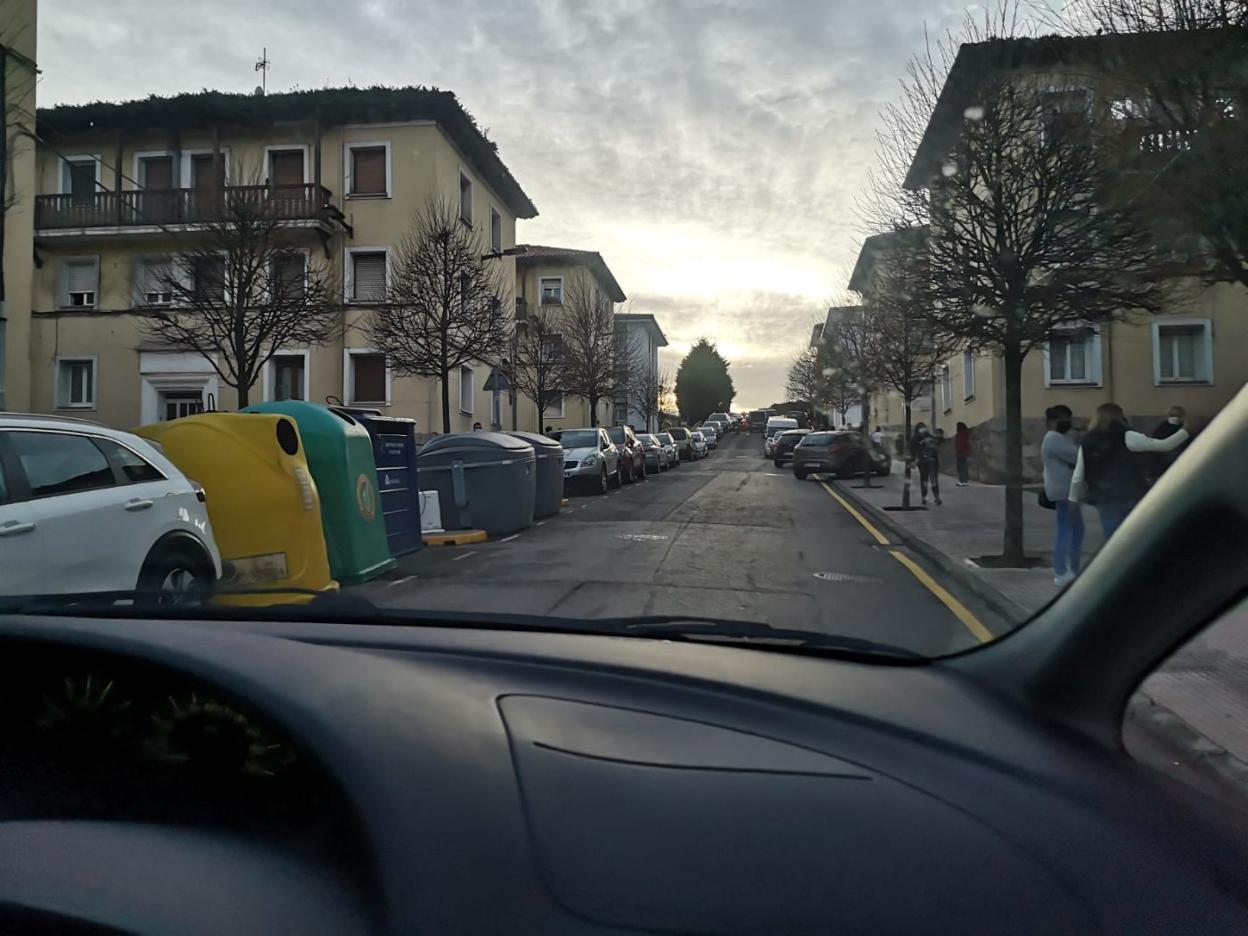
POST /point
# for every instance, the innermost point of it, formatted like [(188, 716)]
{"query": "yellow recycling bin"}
[(261, 499)]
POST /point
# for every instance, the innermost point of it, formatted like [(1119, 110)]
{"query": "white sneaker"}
[(1064, 579)]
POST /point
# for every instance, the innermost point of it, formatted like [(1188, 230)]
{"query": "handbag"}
[(1045, 502)]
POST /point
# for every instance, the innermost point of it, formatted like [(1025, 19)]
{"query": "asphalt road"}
[(730, 536)]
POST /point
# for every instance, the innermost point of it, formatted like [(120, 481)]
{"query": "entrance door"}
[(174, 404)]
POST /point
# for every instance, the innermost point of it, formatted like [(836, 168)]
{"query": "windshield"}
[(579, 438), (289, 342)]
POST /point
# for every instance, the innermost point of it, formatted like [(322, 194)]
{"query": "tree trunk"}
[(909, 457), (446, 401), (1012, 546), (593, 412), (244, 397)]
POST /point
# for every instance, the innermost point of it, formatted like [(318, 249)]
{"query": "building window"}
[(79, 175), (968, 375), (208, 274), (465, 389), (75, 382), (1073, 356), (366, 272), (368, 379), (496, 230), (289, 377), (554, 409), (465, 199), (946, 388), (289, 276), (154, 282), (286, 167), (551, 289), (369, 170), (156, 172), (79, 283), (174, 404), (1183, 351)]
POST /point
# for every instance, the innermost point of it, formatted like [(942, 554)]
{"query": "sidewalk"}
[(1195, 707)]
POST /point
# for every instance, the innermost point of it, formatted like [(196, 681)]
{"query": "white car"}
[(85, 508), (590, 458)]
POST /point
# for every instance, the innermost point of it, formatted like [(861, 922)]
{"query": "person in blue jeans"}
[(1059, 453), (1110, 473)]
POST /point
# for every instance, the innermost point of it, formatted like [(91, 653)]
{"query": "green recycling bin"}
[(340, 457)]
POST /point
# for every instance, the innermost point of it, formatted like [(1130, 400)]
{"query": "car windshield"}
[(579, 438), (312, 341)]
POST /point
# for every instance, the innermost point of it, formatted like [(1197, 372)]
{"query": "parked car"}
[(724, 420), (758, 419), (775, 424), (590, 459), (710, 432), (839, 453), (700, 448), (85, 508), (671, 451), (631, 454), (652, 451), (683, 438), (784, 443)]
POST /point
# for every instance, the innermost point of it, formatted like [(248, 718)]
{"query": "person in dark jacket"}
[(924, 450), (1158, 462), (962, 453), (1109, 472)]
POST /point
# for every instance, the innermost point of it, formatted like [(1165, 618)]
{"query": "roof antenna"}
[(262, 66)]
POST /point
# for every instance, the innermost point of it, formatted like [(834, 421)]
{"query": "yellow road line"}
[(982, 634), (879, 537)]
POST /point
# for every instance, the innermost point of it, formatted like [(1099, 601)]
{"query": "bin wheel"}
[(176, 575)]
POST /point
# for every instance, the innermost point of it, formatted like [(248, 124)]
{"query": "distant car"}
[(652, 451), (723, 419), (671, 451), (758, 419), (837, 453), (700, 448), (803, 419), (784, 443), (775, 424), (85, 508), (710, 432), (631, 453), (591, 459), (684, 442)]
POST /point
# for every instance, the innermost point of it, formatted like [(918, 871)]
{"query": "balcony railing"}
[(161, 208)]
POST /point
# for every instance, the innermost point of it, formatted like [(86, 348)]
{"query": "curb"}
[(457, 538), (999, 603), (1186, 743)]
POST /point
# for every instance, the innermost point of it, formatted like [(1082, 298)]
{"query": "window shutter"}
[(81, 277), (158, 173), (369, 277), (286, 167), (370, 378), (368, 171)]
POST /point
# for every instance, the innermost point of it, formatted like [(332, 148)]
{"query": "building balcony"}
[(175, 210)]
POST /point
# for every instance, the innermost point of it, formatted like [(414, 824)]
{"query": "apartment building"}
[(1192, 354), (122, 188), (545, 276), (17, 209), (642, 331)]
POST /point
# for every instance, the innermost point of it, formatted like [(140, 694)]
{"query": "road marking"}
[(879, 537), (400, 581), (508, 539), (982, 634), (539, 522), (464, 556)]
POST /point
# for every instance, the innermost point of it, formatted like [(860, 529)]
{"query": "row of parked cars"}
[(596, 459), (840, 452)]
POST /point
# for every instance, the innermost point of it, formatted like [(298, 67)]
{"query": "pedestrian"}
[(878, 436), (962, 453), (1158, 462), (550, 429), (923, 449), (476, 427), (1109, 472), (1059, 453)]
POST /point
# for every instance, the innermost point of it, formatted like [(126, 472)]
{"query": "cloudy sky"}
[(710, 149)]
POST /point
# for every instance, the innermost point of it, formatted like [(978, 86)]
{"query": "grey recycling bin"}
[(484, 480), (549, 473)]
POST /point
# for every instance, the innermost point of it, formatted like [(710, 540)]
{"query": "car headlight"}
[(589, 461)]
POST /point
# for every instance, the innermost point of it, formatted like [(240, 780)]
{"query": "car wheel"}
[(799, 474), (602, 481), (779, 463), (176, 576), (616, 479)]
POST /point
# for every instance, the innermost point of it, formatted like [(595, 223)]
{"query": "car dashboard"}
[(249, 777)]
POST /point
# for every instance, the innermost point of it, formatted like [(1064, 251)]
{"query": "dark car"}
[(652, 451), (758, 419), (632, 455), (837, 453), (786, 442)]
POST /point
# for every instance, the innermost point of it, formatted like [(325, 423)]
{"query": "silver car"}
[(710, 432), (700, 448), (671, 451), (590, 458)]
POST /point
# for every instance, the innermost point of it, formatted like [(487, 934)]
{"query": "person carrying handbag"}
[(1059, 453)]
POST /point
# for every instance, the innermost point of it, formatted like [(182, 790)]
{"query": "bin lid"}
[(475, 445), (541, 444), (364, 415), (313, 418)]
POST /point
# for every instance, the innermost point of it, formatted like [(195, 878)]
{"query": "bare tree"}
[(856, 362), (443, 306), (599, 361), (539, 370), (805, 380), (239, 291), (649, 388)]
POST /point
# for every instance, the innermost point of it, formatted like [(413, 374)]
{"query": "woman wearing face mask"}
[(923, 450), (1109, 473), (1059, 453), (1159, 462)]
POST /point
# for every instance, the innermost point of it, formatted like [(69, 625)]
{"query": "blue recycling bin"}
[(394, 451)]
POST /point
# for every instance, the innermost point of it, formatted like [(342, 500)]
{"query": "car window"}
[(133, 466), (578, 438), (60, 463), (665, 438), (4, 487)]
